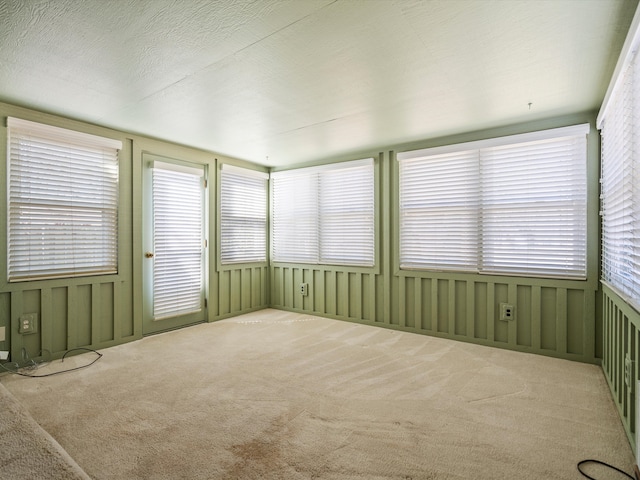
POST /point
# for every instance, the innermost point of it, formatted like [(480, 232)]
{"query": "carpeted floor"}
[(27, 452), (278, 395)]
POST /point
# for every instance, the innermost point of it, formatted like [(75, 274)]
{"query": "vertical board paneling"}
[(417, 303), (536, 316), (491, 311), (620, 339), (409, 302), (480, 311), (548, 319), (106, 317), (459, 307), (5, 313), (372, 298), (80, 304), (523, 316), (354, 304), (442, 306), (548, 310), (428, 305), (59, 316), (470, 308), (318, 287), (342, 294), (400, 301), (500, 327), (561, 320), (575, 323)]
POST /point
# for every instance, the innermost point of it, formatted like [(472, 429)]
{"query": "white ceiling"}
[(281, 82)]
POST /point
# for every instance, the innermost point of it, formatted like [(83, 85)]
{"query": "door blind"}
[(178, 239)]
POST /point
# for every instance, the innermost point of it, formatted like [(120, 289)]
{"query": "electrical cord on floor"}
[(603, 464), (32, 364)]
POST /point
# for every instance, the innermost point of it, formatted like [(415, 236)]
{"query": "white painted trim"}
[(571, 131), (63, 133), (244, 171), (629, 49)]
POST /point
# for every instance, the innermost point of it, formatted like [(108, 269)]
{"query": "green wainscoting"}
[(102, 311), (552, 317), (621, 324), (95, 314), (555, 318)]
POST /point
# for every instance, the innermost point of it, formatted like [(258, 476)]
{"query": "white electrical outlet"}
[(304, 289), (28, 323), (628, 372), (506, 311)]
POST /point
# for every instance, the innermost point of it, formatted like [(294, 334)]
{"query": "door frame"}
[(149, 325)]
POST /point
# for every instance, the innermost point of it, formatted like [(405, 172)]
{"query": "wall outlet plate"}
[(628, 371), (28, 323), (304, 289), (507, 312)]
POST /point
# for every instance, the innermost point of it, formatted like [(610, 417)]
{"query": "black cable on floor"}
[(604, 464), (34, 365)]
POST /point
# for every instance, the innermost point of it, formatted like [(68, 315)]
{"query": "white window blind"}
[(63, 202), (324, 215), (511, 205), (620, 185), (243, 215), (439, 211), (178, 238)]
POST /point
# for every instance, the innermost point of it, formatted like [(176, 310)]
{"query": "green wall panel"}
[(621, 340), (552, 316)]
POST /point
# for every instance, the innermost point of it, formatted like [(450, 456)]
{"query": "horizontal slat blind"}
[(294, 217), (510, 205), (439, 198), (534, 208), (63, 202), (178, 240), (620, 186), (346, 210), (243, 216), (324, 215)]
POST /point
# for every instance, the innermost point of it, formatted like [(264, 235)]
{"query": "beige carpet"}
[(27, 452), (277, 395)]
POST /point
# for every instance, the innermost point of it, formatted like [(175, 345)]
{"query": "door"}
[(175, 246)]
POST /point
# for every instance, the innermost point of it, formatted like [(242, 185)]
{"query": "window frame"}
[(85, 145), (228, 167), (575, 130), (317, 263)]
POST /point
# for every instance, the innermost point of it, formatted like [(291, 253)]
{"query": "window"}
[(511, 205), (63, 202), (324, 215), (243, 215), (619, 121)]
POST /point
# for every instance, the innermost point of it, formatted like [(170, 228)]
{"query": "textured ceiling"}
[(282, 82)]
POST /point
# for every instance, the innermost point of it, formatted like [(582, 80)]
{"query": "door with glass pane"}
[(174, 244)]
